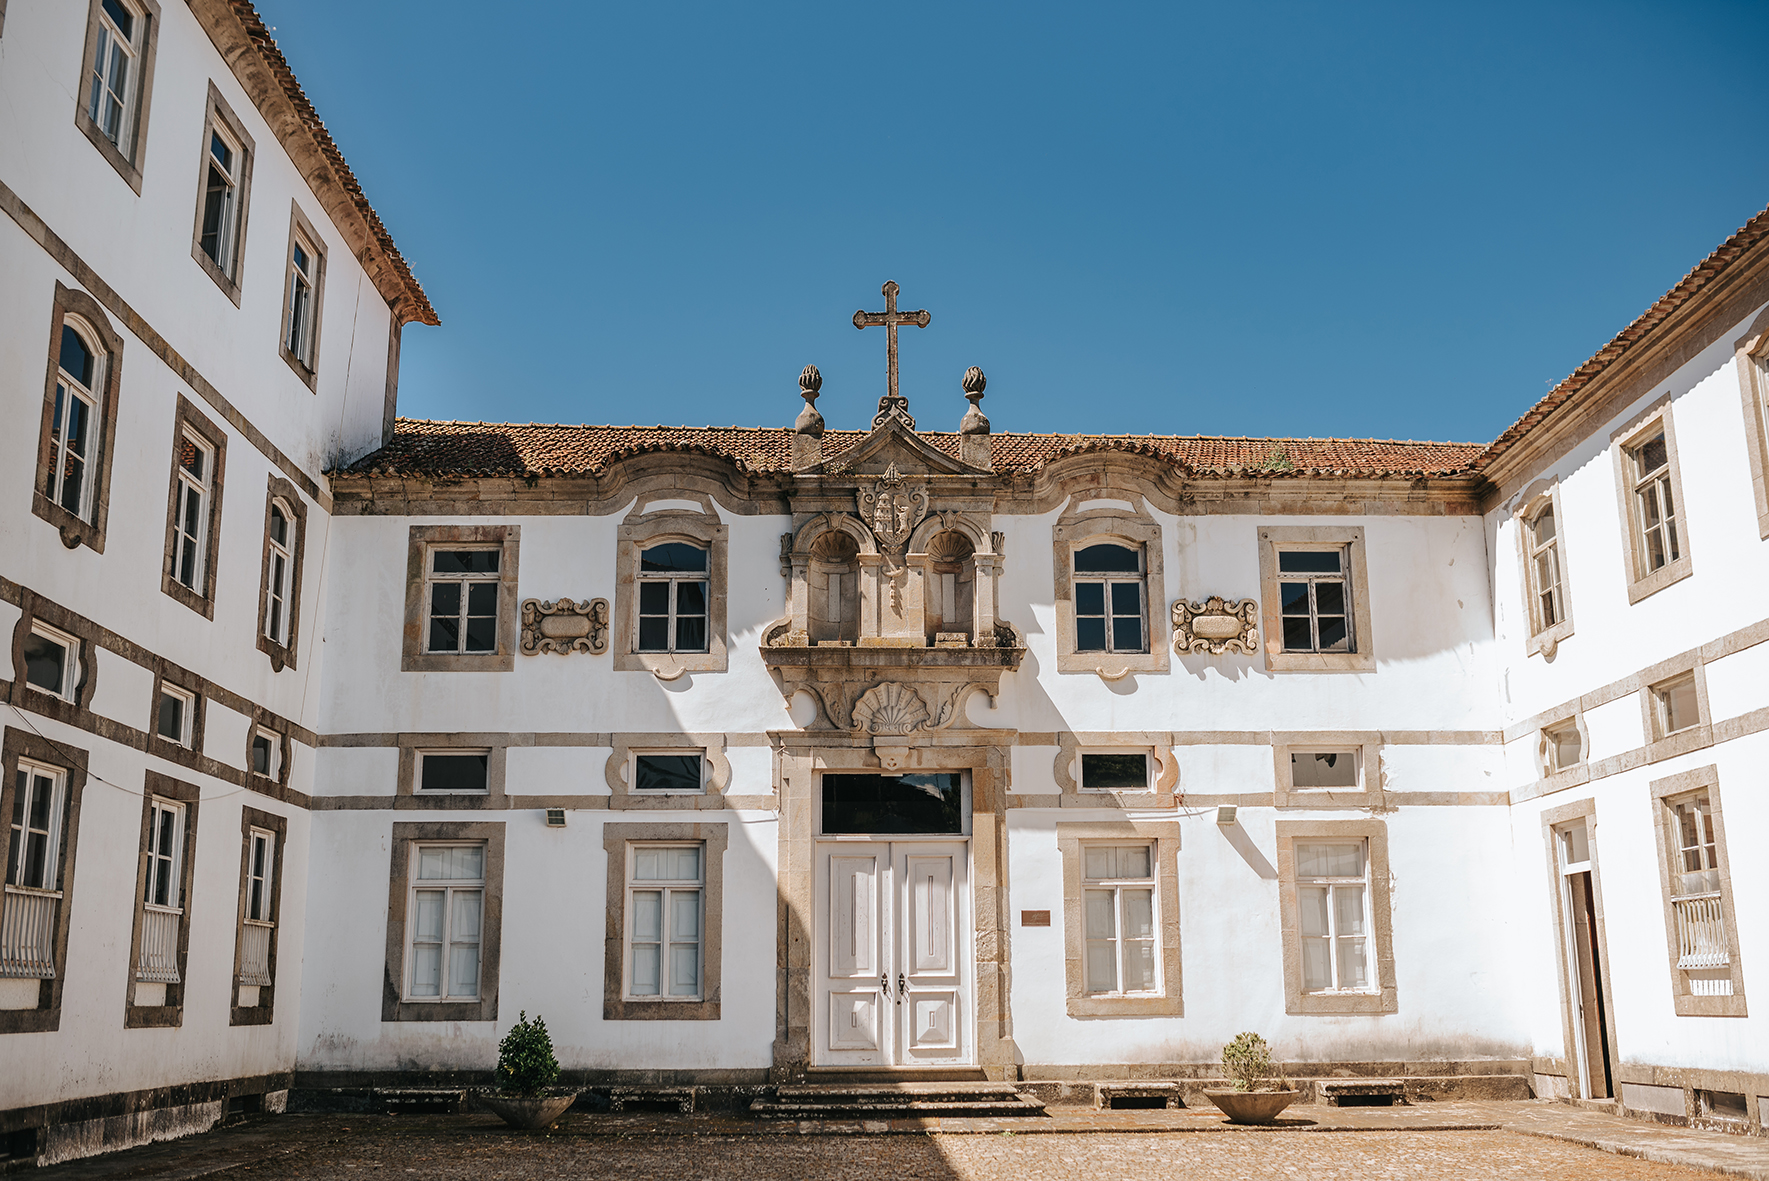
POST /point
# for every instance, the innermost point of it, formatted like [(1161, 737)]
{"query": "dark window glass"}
[(691, 634), (1308, 561), (445, 613), (673, 557), (1127, 633), (1329, 598), (214, 210), (1115, 771), (666, 773), (45, 662), (76, 358), (654, 634), (261, 754), (1653, 455), (1090, 635), (1333, 633), (893, 803), (219, 149), (279, 525), (1090, 598), (1294, 596), (464, 561), (121, 17), (690, 598), (454, 772), (482, 616), (171, 717), (1296, 633), (1108, 559), (654, 598)]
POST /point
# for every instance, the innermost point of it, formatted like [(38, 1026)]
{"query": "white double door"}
[(891, 981)]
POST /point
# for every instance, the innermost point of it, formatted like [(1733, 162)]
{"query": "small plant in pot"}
[(526, 1071), (1260, 1093)]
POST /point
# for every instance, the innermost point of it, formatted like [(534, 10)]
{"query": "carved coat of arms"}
[(892, 508)]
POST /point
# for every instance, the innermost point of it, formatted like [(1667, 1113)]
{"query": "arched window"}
[(834, 588), (951, 584), (281, 544), (672, 598), (1108, 588), (75, 423), (1544, 568)]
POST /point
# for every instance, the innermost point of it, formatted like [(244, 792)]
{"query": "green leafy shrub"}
[(1248, 1061), (526, 1065)]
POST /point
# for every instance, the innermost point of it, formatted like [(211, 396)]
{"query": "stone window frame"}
[(639, 531), (1622, 440), (1548, 779), (1369, 794), (394, 1006), (421, 539), (1164, 774), (1381, 999), (1272, 538), (616, 838), (128, 164), (1164, 835), (76, 658), (284, 492), (710, 798), (1543, 640), (37, 610), (1695, 737), (264, 1012), (189, 419), (301, 227), (14, 745), (409, 795), (262, 720), (1076, 529), (1666, 792), (171, 1014), (76, 531), (1751, 358), (218, 113)]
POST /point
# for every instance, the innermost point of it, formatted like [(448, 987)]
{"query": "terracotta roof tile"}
[(476, 449)]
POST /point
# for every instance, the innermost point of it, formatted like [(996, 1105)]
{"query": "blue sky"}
[(1402, 220)]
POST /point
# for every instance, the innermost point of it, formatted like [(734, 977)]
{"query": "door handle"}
[(902, 987), (884, 984)]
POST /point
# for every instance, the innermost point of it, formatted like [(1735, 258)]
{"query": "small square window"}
[(1563, 747), (453, 770), (464, 600), (52, 661), (175, 718), (681, 773), (1115, 771), (1315, 601), (1323, 769), (1675, 706), (267, 753)]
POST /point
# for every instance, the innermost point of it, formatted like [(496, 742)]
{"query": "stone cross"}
[(890, 318)]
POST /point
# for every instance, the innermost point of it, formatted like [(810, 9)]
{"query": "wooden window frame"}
[(1642, 583), (415, 655), (1164, 837), (18, 745), (130, 158), (285, 654), (406, 837), (666, 887), (1666, 793), (1542, 639), (218, 115), (1381, 996), (301, 231), (189, 799), (189, 420), (76, 530), (255, 820), (617, 841), (1361, 656), (640, 531), (1121, 518)]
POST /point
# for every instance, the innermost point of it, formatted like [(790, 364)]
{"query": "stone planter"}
[(1251, 1107), (539, 1111)]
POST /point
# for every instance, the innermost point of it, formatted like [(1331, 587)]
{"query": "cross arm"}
[(886, 319)]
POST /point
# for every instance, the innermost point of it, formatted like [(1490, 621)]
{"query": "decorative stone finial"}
[(809, 421), (974, 423)]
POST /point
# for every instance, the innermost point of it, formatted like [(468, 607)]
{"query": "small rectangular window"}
[(1108, 589), (1118, 900), (1332, 893), (443, 928), (176, 717), (1544, 546), (1563, 746), (115, 71), (1323, 769), (37, 812), (303, 270), (75, 422), (280, 542), (260, 864), (673, 598), (190, 525), (1655, 505), (1115, 772), (221, 199), (52, 661), (668, 772), (1675, 705), (453, 770), (267, 753), (165, 855), (1315, 601), (664, 921), (463, 599)]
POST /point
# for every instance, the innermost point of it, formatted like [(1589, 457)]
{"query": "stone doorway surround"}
[(800, 758)]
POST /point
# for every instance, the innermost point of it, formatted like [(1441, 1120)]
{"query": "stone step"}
[(895, 1099)]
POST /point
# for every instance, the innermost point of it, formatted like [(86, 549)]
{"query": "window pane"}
[(690, 598), (1139, 914), (36, 856), (279, 526), (1102, 967), (1127, 598), (428, 925), (1334, 768), (1334, 636), (1317, 967), (1652, 455), (1127, 633), (654, 598), (45, 662), (465, 561), (1101, 921), (1297, 636), (465, 928), (427, 971), (1348, 909), (871, 803), (645, 969), (1115, 771), (685, 969), (76, 358), (482, 598), (1308, 562), (648, 914), (1294, 598), (654, 634), (454, 772), (463, 970), (666, 773), (122, 17), (1680, 705), (1090, 635), (691, 634), (451, 862), (673, 557), (1330, 861), (684, 915), (1098, 862), (1544, 526), (482, 634), (260, 755), (1329, 598), (1311, 902), (1139, 966), (1108, 559), (445, 598), (683, 864), (445, 635), (1090, 598), (1353, 969)]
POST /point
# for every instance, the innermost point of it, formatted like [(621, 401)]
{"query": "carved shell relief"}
[(564, 626), (890, 708), (1216, 626)]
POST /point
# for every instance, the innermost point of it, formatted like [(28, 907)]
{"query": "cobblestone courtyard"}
[(475, 1148)]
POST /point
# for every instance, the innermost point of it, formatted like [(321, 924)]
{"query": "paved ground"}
[(1511, 1141)]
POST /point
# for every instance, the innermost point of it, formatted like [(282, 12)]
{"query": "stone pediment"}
[(892, 443)]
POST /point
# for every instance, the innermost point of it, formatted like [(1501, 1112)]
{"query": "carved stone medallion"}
[(892, 508), (565, 626), (1216, 626)]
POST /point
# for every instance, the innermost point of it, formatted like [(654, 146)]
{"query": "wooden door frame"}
[(1551, 819)]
